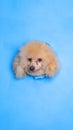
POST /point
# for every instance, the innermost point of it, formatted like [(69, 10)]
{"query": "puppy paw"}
[(52, 69), (19, 73)]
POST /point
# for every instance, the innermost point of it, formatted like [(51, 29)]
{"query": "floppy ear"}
[(52, 67), (18, 68)]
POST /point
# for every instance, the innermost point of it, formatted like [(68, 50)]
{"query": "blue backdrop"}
[(43, 104)]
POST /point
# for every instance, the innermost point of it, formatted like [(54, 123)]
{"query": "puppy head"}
[(35, 58)]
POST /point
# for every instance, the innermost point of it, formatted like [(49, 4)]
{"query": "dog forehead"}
[(34, 50), (33, 47)]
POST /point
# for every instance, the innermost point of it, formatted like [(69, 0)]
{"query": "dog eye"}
[(29, 59), (39, 59)]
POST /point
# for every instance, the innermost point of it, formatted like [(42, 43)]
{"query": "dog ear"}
[(52, 67), (18, 67)]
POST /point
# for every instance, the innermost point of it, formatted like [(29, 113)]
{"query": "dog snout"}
[(32, 68)]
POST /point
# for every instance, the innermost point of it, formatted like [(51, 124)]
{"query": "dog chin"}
[(35, 73)]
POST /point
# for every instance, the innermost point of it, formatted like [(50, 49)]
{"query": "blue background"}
[(43, 104)]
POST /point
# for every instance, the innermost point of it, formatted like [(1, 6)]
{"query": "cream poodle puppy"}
[(35, 59)]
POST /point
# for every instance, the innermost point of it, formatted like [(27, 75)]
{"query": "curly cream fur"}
[(36, 49)]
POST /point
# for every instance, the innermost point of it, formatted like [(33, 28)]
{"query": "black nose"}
[(32, 68)]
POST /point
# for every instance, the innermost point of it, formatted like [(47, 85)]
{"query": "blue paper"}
[(28, 104)]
